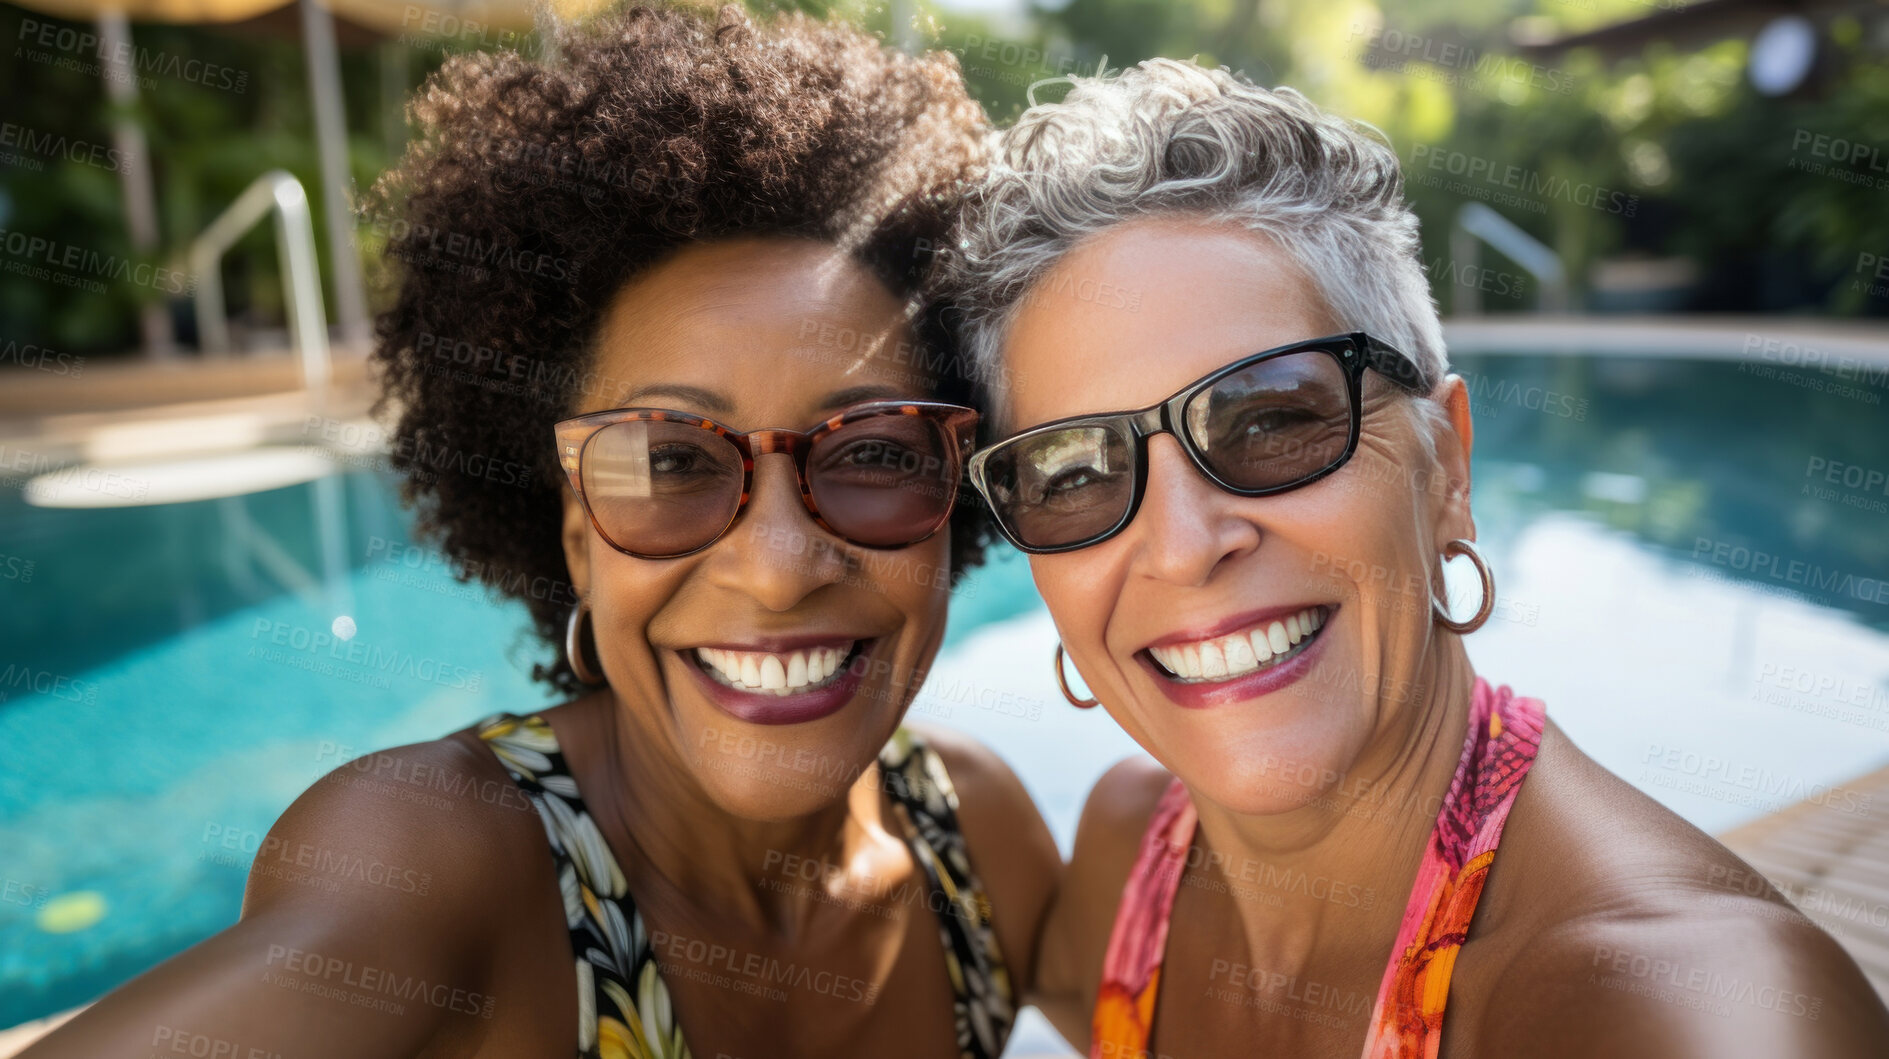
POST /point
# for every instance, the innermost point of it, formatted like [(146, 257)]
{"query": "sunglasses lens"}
[(1274, 423), (1062, 486), (661, 488), (886, 480)]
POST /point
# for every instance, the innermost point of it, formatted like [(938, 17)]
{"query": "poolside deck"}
[(146, 410), (1834, 866)]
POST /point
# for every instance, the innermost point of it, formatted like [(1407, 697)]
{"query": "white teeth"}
[(1240, 657), (1238, 653), (1276, 635), (782, 674), (1212, 662), (773, 675), (1262, 647)]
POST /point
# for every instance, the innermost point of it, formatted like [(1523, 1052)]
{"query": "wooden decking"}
[(1834, 865)]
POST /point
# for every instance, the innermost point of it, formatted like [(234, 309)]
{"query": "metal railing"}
[(280, 193), (1476, 224)]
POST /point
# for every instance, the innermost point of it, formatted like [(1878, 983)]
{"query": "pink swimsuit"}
[(1407, 1021)]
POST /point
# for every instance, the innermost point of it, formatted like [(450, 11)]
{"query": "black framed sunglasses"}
[(661, 484), (1262, 425)]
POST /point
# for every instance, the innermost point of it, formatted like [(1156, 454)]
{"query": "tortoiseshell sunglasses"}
[(660, 484)]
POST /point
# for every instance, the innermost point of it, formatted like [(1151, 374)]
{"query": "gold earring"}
[(1451, 550), (1063, 682)]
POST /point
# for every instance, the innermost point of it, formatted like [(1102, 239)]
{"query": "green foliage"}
[(1712, 171)]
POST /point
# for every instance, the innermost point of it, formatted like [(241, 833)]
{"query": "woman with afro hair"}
[(712, 440)]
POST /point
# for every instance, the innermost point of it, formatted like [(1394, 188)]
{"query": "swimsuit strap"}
[(623, 1005), (1407, 1020), (1504, 735), (927, 806), (1131, 969)]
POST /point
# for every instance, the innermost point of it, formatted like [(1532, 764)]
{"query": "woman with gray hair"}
[(1232, 448)]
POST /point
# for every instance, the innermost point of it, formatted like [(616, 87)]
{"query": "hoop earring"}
[(574, 647), (1063, 682), (1451, 550)]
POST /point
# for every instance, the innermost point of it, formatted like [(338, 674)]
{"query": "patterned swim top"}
[(1407, 1021), (623, 1007)]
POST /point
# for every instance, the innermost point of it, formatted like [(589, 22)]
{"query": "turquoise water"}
[(163, 695)]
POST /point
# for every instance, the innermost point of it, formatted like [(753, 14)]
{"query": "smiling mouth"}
[(1262, 645), (779, 673)]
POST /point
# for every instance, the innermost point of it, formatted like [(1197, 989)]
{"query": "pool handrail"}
[(1477, 223), (276, 191)]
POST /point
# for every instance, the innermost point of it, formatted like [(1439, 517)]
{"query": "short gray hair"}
[(1171, 137)]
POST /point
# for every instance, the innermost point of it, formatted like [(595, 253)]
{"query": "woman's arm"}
[(1010, 846), (363, 931)]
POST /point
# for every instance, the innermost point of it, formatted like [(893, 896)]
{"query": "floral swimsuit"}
[(623, 1007)]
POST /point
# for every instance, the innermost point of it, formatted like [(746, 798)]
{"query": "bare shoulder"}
[(1114, 818), (368, 926), (1675, 986), (1611, 926), (418, 838), (1010, 845)]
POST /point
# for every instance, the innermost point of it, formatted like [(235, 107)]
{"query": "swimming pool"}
[(1690, 557)]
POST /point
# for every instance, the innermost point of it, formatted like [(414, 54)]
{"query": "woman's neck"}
[(1356, 846), (679, 850)]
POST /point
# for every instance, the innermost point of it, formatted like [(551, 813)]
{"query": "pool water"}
[(1680, 578)]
